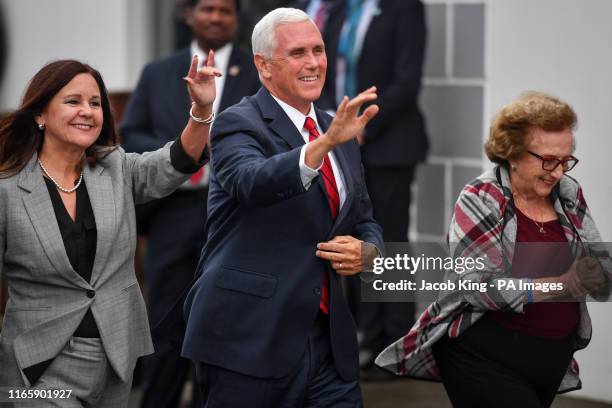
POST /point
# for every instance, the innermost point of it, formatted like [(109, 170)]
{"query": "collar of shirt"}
[(222, 55), (298, 118)]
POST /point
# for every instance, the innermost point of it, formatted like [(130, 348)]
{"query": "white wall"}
[(111, 35), (564, 47)]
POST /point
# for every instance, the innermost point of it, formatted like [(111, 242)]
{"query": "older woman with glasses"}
[(513, 345)]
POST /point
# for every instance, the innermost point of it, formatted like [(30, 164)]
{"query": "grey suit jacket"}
[(47, 298)]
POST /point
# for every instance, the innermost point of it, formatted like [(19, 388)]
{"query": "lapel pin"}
[(234, 70)]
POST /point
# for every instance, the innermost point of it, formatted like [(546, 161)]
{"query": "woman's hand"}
[(584, 277), (201, 88), (201, 83), (591, 274)]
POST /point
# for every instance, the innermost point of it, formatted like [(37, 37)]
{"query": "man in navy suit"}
[(155, 115), (288, 212)]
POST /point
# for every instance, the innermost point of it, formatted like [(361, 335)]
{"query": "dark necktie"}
[(333, 197)]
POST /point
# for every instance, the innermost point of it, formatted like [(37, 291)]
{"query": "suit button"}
[(91, 293), (317, 291)]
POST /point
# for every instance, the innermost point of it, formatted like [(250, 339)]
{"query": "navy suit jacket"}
[(257, 297), (391, 58)]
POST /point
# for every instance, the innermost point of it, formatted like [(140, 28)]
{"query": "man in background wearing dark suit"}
[(381, 43), (155, 115)]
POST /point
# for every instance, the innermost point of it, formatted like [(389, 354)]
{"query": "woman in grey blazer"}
[(75, 321)]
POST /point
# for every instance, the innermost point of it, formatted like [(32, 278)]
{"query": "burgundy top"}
[(552, 320)]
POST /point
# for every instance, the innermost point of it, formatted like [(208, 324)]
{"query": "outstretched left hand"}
[(201, 83)]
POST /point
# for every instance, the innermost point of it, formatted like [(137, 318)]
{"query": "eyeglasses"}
[(550, 163)]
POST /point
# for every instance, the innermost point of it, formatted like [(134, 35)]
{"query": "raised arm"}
[(201, 87), (158, 173)]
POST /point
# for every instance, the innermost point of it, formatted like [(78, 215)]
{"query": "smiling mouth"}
[(312, 78), (82, 126)]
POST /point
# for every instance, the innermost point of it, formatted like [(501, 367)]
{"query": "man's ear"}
[(263, 66)]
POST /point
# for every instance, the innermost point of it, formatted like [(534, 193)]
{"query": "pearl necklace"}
[(65, 190)]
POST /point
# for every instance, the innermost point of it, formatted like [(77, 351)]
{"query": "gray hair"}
[(263, 39)]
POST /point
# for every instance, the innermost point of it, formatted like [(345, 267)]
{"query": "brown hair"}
[(511, 126), (19, 133)]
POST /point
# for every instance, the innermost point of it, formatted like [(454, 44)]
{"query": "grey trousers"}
[(83, 368)]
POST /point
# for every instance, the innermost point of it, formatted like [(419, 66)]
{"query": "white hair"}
[(263, 39)]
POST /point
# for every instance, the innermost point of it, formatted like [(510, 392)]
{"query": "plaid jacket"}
[(484, 223)]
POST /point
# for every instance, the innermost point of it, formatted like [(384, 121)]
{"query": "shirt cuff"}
[(306, 173), (182, 162)]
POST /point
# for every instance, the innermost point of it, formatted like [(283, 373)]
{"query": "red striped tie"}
[(333, 198)]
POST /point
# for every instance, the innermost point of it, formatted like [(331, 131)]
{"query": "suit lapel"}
[(100, 190), (279, 121), (39, 208), (342, 160)]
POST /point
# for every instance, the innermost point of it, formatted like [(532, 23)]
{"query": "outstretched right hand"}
[(347, 123)]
